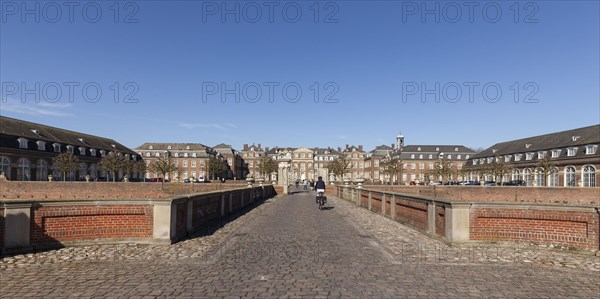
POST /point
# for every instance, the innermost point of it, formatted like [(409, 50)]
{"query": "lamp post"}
[(441, 157)]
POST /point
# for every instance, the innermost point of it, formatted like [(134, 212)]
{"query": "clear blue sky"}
[(365, 50)]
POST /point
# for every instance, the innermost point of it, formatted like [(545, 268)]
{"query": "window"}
[(419, 149), (169, 147), (157, 154), (412, 156), (71, 149), (421, 165), (194, 155), (516, 175), (589, 176), (23, 170), (555, 153), (41, 145), (41, 173), (22, 143), (193, 165), (430, 156), (93, 171), (475, 161), (541, 155), (147, 154), (102, 153), (176, 155), (93, 152), (527, 176), (467, 157), (420, 156), (449, 157), (572, 151), (456, 149), (82, 171), (528, 156), (458, 157), (151, 147), (82, 151), (518, 157), (590, 149), (185, 155), (437, 149), (430, 165), (570, 176), (553, 179), (56, 147), (490, 159), (5, 166), (506, 159), (412, 165), (193, 174), (540, 180)]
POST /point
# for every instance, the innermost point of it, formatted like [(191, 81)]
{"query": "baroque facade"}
[(27, 150), (562, 159)]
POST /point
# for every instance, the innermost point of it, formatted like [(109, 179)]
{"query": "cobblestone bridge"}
[(286, 247)]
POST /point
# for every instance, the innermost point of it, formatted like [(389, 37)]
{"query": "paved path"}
[(288, 248)]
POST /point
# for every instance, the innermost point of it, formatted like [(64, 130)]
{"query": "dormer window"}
[(490, 159), (157, 154), (507, 159), (36, 132), (449, 157), (419, 149), (71, 149), (187, 147), (528, 156), (147, 154), (81, 140), (93, 152), (541, 155), (102, 153), (22, 143), (412, 156), (185, 154), (134, 157), (494, 151), (420, 156), (456, 149), (430, 156), (114, 146), (437, 149), (41, 145), (518, 157), (475, 161), (527, 145), (56, 147), (127, 156), (556, 153), (150, 147), (572, 151), (591, 149), (176, 155), (194, 155), (574, 138), (82, 151), (481, 161), (169, 147)]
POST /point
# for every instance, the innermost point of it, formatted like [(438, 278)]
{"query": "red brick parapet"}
[(488, 218), (27, 224)]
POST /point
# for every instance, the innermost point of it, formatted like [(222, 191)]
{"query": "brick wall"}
[(51, 225), (572, 228), (411, 212), (388, 206), (100, 190), (376, 202), (546, 195), (206, 209), (364, 199), (440, 220)]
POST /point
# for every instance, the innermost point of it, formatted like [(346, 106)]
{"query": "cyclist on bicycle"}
[(320, 187)]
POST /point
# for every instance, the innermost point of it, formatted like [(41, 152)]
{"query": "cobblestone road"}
[(286, 247)]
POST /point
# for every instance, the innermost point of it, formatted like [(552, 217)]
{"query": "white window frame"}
[(591, 149), (571, 151), (41, 145), (23, 142), (556, 153)]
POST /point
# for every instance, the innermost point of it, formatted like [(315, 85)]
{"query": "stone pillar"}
[(393, 207), (222, 204), (457, 222), (230, 202), (164, 221), (431, 218), (17, 219), (383, 204), (190, 215), (369, 201)]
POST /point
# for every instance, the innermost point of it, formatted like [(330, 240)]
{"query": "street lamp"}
[(441, 157)]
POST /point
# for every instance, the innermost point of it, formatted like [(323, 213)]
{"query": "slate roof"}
[(174, 146), (20, 128)]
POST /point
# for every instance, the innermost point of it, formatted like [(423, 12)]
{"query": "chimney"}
[(339, 149), (347, 146), (393, 146), (360, 147), (266, 149), (245, 146), (259, 146)]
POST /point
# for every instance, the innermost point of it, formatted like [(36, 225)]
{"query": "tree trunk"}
[(64, 176)]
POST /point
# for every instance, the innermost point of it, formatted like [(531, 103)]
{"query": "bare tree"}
[(266, 166), (164, 165), (339, 167), (140, 167), (391, 166), (545, 165), (113, 162), (216, 167), (65, 162)]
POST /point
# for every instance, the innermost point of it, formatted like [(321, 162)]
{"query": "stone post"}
[(17, 220), (431, 217), (457, 222)]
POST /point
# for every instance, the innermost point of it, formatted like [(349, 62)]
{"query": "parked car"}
[(472, 183), (515, 183), (201, 180), (187, 181), (490, 183)]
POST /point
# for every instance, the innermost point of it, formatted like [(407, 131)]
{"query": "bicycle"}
[(321, 199)]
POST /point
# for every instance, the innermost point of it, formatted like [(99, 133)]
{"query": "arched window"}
[(23, 170), (82, 171), (41, 173), (540, 180), (93, 171), (589, 176), (570, 176), (5, 166), (553, 182), (527, 176), (516, 175)]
